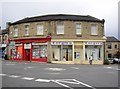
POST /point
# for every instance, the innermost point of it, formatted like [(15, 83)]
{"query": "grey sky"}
[(102, 9)]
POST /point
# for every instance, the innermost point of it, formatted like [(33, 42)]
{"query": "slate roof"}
[(112, 39), (56, 17)]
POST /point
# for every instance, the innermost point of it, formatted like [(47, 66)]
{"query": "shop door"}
[(27, 54)]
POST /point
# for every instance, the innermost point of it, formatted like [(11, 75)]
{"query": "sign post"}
[(12, 47)]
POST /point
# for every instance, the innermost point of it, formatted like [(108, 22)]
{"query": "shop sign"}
[(93, 43), (39, 43), (27, 46), (61, 43)]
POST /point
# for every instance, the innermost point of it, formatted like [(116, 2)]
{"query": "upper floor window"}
[(78, 28), (109, 46), (94, 29), (26, 29), (40, 29), (15, 31), (60, 28), (116, 46)]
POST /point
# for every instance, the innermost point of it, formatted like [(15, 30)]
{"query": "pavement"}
[(67, 76)]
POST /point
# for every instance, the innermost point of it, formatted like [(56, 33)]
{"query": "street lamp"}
[(12, 44)]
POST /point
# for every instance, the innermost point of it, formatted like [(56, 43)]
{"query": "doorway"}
[(27, 54)]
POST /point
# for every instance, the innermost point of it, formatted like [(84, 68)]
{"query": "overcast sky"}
[(13, 10)]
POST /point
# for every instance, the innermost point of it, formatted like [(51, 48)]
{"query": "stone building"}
[(59, 38)]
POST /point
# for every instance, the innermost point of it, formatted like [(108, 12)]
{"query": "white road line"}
[(42, 80), (3, 74), (55, 69), (14, 76), (28, 68), (67, 82), (54, 73), (84, 84), (74, 67), (27, 78), (55, 81)]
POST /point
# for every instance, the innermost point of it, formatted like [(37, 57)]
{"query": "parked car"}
[(116, 60), (111, 60)]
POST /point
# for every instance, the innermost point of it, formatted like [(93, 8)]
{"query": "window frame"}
[(59, 31), (78, 28), (15, 31), (37, 32), (94, 33), (109, 45), (27, 29)]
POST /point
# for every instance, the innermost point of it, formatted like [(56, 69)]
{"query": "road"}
[(67, 76)]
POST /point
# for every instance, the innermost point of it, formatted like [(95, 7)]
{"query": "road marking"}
[(55, 69), (55, 81), (74, 67), (27, 78), (3, 74), (14, 76), (54, 73), (84, 84), (42, 80), (29, 67)]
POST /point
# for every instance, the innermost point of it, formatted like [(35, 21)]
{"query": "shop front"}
[(62, 52), (77, 52), (96, 50), (32, 49)]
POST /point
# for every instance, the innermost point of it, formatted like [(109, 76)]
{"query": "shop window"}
[(62, 53), (60, 28), (78, 28), (26, 30), (15, 32), (109, 46), (116, 46), (95, 51), (40, 29), (39, 52), (94, 29), (17, 52)]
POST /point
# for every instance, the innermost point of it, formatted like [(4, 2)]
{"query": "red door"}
[(27, 56)]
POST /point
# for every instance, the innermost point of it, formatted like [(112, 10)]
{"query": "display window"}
[(62, 52), (95, 51), (17, 52), (39, 51)]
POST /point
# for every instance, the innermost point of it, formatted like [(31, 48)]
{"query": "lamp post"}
[(12, 45)]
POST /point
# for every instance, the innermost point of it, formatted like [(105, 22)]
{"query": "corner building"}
[(59, 38)]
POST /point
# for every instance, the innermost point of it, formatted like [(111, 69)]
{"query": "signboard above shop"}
[(93, 43), (61, 43), (27, 46)]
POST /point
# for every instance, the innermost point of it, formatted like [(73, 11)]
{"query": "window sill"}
[(78, 35)]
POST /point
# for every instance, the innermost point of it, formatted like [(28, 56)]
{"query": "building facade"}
[(74, 38), (112, 47)]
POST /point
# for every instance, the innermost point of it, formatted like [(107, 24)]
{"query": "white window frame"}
[(60, 27), (15, 31), (78, 29), (40, 29), (27, 30), (94, 29)]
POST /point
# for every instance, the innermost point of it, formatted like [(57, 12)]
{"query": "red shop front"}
[(31, 49)]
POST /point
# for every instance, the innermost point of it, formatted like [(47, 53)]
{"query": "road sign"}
[(12, 45)]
